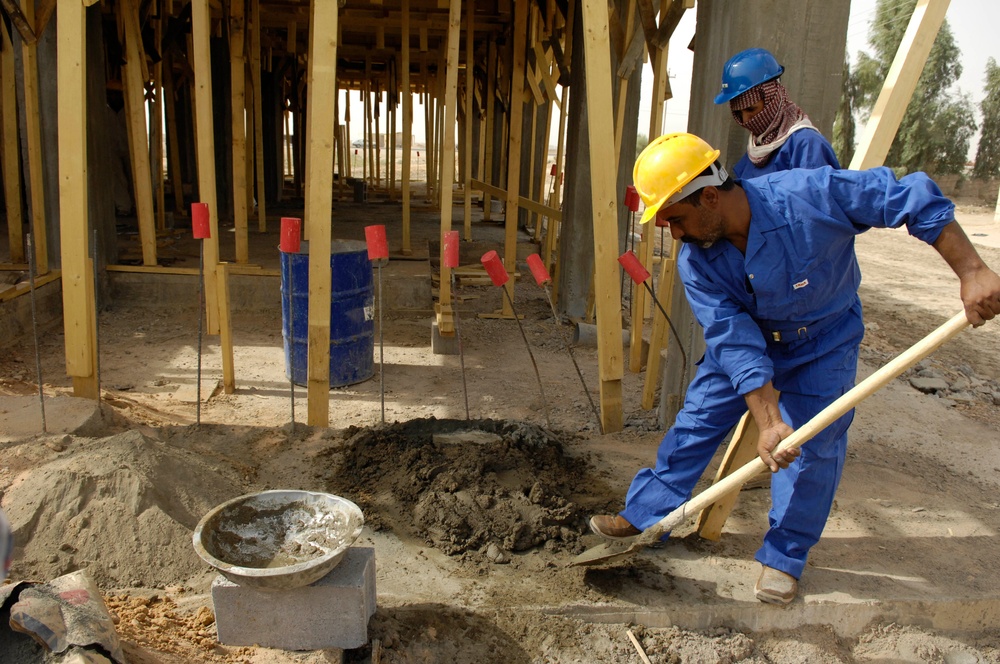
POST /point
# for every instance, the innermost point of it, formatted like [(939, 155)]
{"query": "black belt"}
[(810, 331)]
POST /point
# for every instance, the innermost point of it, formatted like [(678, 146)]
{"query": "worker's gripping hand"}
[(981, 295), (768, 440)]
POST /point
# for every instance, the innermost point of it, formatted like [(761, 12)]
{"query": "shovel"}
[(612, 552)]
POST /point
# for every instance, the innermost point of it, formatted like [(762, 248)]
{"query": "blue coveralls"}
[(799, 279), (805, 148)]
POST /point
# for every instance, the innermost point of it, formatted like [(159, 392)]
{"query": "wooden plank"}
[(669, 19), (321, 88), (742, 449), (445, 313), (43, 14), (470, 32), (258, 118), (407, 249), (9, 153), (237, 80), (488, 189), (22, 20), (518, 67), (900, 83), (133, 81), (600, 116), (552, 232), (173, 142), (226, 330), (647, 17), (539, 185), (623, 87), (544, 58), (156, 135), (71, 110), (24, 288), (659, 337), (491, 92), (32, 114), (201, 26)]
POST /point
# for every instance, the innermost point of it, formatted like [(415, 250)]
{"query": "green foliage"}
[(844, 126), (938, 125), (988, 153), (641, 141)]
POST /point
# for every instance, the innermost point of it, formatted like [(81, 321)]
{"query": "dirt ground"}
[(473, 520)]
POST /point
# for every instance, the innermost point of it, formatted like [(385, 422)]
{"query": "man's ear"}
[(710, 197)]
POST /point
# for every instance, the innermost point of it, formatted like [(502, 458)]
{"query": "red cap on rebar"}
[(451, 249), (631, 198), (377, 245), (552, 172), (631, 263), (538, 270), (291, 235), (200, 226), (494, 268)]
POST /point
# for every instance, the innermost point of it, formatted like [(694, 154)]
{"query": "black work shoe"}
[(775, 587), (612, 527)]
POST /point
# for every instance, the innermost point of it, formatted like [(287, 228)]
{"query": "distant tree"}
[(844, 126), (641, 141), (937, 127), (988, 153)]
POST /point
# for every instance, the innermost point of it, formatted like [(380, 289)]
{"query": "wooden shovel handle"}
[(820, 421)]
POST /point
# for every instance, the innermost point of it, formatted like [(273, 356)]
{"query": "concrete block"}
[(442, 344), (330, 613)]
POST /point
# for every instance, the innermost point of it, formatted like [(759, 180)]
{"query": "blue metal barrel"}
[(352, 309)]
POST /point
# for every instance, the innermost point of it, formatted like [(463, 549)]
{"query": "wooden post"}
[(470, 17), (226, 329), (156, 133), (32, 113), (514, 150), (900, 83), (321, 86), (623, 83), (237, 78), (173, 144), (445, 313), (489, 107), (201, 28), (9, 147), (79, 320), (597, 58), (639, 300), (133, 81), (660, 336), (407, 127), (552, 234), (258, 119)]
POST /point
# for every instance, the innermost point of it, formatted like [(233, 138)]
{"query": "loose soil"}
[(473, 520)]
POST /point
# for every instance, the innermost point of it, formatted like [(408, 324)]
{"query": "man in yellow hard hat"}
[(769, 270)]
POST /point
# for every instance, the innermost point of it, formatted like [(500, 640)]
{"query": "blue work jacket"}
[(805, 148), (800, 269)]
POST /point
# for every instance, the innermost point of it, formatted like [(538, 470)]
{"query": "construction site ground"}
[(473, 532)]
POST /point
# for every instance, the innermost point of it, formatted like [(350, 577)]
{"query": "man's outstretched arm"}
[(980, 286)]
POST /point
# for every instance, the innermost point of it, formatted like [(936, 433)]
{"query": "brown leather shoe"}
[(612, 527), (775, 587)]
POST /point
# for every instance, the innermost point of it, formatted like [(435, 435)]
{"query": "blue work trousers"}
[(810, 374)]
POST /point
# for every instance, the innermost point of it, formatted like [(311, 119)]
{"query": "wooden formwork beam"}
[(201, 27), (407, 127), (79, 312), (321, 88), (133, 80), (173, 142), (10, 157), (470, 32), (258, 118), (900, 82), (237, 80), (445, 313), (489, 108), (514, 149), (32, 115), (600, 116)]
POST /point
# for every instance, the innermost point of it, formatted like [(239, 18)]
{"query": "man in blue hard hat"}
[(781, 135)]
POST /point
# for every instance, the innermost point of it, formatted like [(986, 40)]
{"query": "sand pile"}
[(122, 507)]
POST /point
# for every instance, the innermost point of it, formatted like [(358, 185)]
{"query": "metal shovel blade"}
[(612, 552)]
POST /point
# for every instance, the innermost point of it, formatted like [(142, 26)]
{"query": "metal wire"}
[(201, 315), (569, 349), (291, 338), (545, 403), (381, 364), (680, 346)]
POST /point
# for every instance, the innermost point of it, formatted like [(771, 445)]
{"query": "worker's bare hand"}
[(981, 296), (768, 440)]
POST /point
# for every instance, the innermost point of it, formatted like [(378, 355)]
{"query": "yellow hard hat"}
[(668, 169)]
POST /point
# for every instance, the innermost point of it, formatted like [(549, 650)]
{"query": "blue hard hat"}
[(745, 70)]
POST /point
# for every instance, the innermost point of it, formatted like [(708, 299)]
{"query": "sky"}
[(973, 23)]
